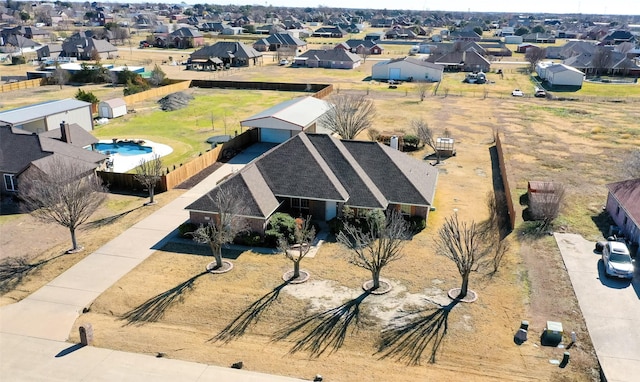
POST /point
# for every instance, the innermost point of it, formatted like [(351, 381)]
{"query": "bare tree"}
[(148, 173), (62, 192), (304, 234), (228, 222), (423, 89), (496, 228), (373, 134), (625, 47), (426, 135), (463, 244), (60, 76), (158, 76), (547, 203), (601, 59), (631, 166), (380, 245), (349, 115), (533, 55)]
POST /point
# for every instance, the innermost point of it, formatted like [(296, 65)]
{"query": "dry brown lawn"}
[(577, 143)]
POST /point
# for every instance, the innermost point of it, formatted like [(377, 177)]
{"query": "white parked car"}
[(284, 62), (617, 261), (517, 93)]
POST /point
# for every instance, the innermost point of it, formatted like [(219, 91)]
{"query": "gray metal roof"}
[(40, 110)]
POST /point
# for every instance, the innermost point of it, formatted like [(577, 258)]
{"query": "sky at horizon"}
[(610, 7)]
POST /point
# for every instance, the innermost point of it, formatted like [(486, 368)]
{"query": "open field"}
[(580, 144)]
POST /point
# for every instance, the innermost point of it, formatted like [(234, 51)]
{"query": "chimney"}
[(65, 132)]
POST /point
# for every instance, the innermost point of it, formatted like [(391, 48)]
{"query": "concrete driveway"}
[(611, 308)]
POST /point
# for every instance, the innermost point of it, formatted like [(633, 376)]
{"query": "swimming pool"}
[(123, 148)]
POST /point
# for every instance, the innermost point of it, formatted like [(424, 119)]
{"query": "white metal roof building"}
[(283, 121), (49, 115)]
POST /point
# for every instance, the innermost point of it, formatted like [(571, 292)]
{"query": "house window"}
[(9, 182), (405, 209), (625, 221), (618, 210), (299, 203)]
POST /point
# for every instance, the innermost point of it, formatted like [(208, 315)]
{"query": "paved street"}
[(611, 308), (33, 332)]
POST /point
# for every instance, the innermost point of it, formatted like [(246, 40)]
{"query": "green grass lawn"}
[(186, 130)]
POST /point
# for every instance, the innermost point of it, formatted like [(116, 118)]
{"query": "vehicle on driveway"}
[(517, 93), (617, 261), (284, 62), (540, 93)]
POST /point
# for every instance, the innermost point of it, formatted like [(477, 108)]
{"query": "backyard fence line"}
[(505, 181), (178, 174), (175, 86), (37, 82), (319, 90)]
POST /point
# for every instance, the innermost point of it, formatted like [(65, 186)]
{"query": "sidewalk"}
[(33, 330)]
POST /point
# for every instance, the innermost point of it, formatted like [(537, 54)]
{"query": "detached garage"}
[(288, 119), (407, 68), (112, 108)]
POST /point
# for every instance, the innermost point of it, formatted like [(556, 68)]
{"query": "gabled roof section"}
[(296, 168), (284, 39), (296, 113), (226, 49), (79, 137), (362, 191), (627, 193), (331, 55), (250, 186), (17, 149), (401, 178)]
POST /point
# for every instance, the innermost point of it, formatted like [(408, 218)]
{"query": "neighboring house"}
[(326, 175), (570, 49), (374, 36), (618, 37), (465, 35), (330, 31), (289, 118), (364, 47), (466, 61), (623, 204), (213, 27), (230, 53), (614, 63), (559, 74), (51, 51), (331, 59), (185, 38), (522, 48), (17, 43), (539, 38), (407, 68), (279, 40), (22, 149), (112, 108), (82, 48), (47, 116), (400, 33)]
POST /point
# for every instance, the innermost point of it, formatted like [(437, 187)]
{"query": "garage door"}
[(274, 135), (394, 73)]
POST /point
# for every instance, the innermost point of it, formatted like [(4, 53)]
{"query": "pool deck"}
[(124, 163)]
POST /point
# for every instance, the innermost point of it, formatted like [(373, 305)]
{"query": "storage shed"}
[(112, 108)]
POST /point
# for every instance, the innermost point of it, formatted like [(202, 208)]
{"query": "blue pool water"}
[(123, 148)]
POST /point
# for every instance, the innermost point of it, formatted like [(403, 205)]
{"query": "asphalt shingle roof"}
[(223, 48)]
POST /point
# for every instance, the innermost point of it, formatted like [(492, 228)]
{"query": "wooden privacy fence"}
[(157, 92), (177, 175), (21, 85), (505, 181), (318, 90)]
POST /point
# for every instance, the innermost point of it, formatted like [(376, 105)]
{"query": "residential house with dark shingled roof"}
[(623, 205), (318, 175), (336, 58), (21, 149)]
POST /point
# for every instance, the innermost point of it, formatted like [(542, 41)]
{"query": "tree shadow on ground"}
[(154, 308), (108, 220), (409, 334), (249, 316), (325, 330), (604, 222), (14, 269)]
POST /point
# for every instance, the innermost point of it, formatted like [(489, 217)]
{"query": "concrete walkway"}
[(610, 307), (33, 330)]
